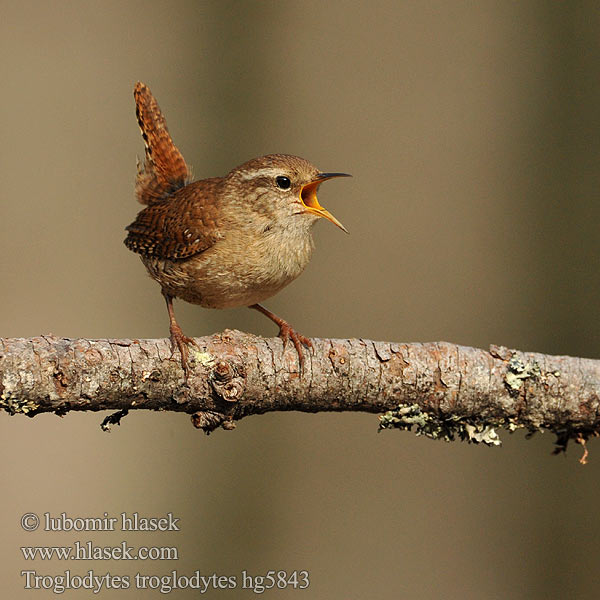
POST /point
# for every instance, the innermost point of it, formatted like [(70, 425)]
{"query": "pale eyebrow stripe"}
[(268, 172)]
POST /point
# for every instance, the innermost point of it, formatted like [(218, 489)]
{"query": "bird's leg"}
[(178, 338), (286, 332)]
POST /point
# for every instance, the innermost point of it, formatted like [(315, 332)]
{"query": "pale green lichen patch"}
[(518, 372), (11, 402), (206, 359), (438, 428), (482, 434), (512, 425), (13, 405)]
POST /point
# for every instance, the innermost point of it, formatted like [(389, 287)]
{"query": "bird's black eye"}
[(283, 182)]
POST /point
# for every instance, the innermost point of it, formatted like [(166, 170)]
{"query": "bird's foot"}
[(181, 341), (287, 332)]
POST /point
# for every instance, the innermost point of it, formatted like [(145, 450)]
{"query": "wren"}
[(225, 241)]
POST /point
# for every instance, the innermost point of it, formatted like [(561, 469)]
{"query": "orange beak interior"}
[(308, 197)]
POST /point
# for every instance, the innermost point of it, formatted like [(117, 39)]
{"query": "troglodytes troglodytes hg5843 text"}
[(225, 241)]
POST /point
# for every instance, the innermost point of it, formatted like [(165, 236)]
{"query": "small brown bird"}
[(225, 241)]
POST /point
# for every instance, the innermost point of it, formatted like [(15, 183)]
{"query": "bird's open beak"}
[(308, 196)]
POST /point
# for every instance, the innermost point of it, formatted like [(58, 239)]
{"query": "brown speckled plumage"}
[(226, 241), (165, 169), (180, 226)]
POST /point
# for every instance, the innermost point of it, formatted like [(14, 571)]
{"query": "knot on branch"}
[(228, 380), (208, 421)]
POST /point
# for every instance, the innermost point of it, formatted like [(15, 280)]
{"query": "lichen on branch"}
[(438, 389)]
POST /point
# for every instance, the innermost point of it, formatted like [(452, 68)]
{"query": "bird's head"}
[(283, 187)]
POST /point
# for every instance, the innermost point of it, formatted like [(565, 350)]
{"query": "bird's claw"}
[(287, 332), (181, 341)]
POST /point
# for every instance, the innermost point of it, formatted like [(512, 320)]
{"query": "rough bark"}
[(440, 389)]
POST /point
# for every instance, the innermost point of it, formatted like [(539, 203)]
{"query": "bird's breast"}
[(239, 270)]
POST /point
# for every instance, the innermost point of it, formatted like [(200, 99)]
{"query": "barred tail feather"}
[(164, 169)]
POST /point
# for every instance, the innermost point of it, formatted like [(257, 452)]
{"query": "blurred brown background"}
[(472, 132)]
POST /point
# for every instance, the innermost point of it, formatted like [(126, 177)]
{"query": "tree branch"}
[(441, 389)]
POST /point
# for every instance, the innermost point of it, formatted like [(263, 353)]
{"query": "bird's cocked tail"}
[(164, 169)]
